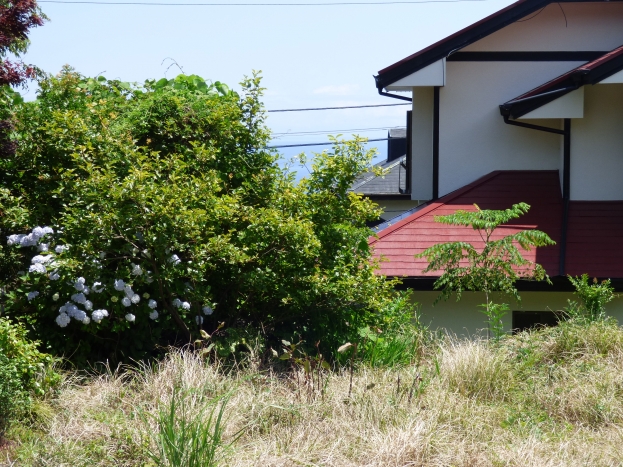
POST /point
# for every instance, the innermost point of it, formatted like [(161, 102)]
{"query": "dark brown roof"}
[(459, 40), (392, 183), (589, 73)]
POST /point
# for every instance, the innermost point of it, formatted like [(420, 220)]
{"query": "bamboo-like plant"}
[(494, 267)]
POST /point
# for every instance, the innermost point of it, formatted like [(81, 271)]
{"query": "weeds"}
[(548, 397), (189, 430)]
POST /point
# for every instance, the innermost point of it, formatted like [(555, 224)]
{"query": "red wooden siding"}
[(595, 238)]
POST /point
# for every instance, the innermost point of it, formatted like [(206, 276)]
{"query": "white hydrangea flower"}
[(79, 285), (175, 260), (75, 312), (126, 301), (39, 268), (60, 248), (79, 298), (40, 259), (154, 315), (37, 232), (28, 240), (149, 279), (88, 305), (56, 296), (128, 291), (119, 284), (135, 298), (207, 310), (152, 304), (86, 290), (63, 320), (102, 255), (86, 320), (32, 295), (186, 305), (199, 320), (136, 270), (48, 230), (54, 276), (99, 315), (130, 317), (15, 239), (43, 247), (97, 287), (177, 303)]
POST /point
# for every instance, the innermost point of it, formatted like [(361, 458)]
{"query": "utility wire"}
[(336, 108), (258, 4), (323, 144), (324, 132)]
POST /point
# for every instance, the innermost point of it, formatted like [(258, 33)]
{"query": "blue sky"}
[(310, 56)]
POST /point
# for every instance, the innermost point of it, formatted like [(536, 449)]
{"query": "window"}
[(523, 320)]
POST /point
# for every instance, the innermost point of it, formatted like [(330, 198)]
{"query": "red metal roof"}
[(594, 234)]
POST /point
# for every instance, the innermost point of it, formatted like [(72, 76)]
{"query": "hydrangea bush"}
[(137, 215)]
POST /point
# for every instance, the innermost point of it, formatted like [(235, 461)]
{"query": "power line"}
[(340, 108), (329, 143), (324, 132), (258, 4)]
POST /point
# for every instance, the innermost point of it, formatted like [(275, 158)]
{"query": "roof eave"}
[(457, 41)]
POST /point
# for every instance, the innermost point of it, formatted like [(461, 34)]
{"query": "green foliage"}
[(169, 188), (495, 267), (495, 312), (24, 372), (189, 433), (398, 339), (593, 299)]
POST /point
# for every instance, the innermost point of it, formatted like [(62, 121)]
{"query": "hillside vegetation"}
[(550, 397)]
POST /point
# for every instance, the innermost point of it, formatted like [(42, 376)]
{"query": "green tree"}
[(142, 214), (494, 267)]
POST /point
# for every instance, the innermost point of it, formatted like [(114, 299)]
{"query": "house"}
[(389, 190), (524, 105)]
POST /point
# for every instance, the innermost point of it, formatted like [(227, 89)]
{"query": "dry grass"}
[(552, 398)]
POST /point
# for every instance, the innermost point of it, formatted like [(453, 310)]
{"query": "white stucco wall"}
[(393, 208), (422, 151), (463, 318), (597, 145), (474, 140), (589, 26)]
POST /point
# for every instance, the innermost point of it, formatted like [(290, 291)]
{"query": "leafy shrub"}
[(140, 215), (24, 372), (593, 299)]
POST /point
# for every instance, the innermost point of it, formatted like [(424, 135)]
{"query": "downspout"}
[(566, 179), (436, 142), (409, 156), (566, 195)]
